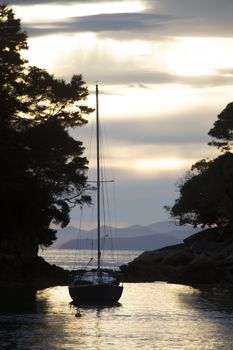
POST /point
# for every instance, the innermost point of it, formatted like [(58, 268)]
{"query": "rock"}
[(180, 258), (44, 275), (200, 270), (210, 241), (150, 266), (33, 271), (204, 258)]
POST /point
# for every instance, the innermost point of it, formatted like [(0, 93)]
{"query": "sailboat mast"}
[(98, 178)]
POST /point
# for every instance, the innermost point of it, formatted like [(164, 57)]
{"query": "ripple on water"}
[(149, 316)]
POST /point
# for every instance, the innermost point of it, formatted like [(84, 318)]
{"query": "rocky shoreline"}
[(205, 258), (33, 272)]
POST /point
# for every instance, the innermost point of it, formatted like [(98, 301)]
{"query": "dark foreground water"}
[(149, 316)]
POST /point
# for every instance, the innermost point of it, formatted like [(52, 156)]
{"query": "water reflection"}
[(149, 316), (209, 298), (98, 307)]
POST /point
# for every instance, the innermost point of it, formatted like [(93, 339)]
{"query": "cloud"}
[(150, 148), (167, 18), (226, 72), (210, 18), (162, 22), (189, 128), (164, 90), (60, 2), (133, 23), (102, 60), (203, 8), (180, 136), (153, 77)]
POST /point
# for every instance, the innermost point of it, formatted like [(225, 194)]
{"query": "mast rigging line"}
[(98, 179), (103, 211), (100, 190)]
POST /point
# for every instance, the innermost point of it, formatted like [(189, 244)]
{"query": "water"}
[(70, 259), (149, 316)]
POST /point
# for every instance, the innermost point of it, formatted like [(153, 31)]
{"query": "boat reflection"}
[(80, 309), (95, 306)]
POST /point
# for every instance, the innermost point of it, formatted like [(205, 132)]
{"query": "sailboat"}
[(97, 286)]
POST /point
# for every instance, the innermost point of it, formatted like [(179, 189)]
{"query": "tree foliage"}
[(206, 193), (12, 41), (206, 197), (43, 170), (222, 131)]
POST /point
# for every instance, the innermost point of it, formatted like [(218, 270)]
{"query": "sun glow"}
[(47, 52), (146, 167), (198, 56), (145, 160), (150, 165), (152, 102), (42, 13)]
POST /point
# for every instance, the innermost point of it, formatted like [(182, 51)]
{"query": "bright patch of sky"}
[(48, 12), (199, 56)]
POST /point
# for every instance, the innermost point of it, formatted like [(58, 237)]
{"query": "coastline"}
[(203, 260), (33, 272)]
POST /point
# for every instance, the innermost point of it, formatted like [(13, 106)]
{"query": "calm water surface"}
[(70, 259), (149, 316)]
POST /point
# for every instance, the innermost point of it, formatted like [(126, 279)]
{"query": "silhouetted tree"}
[(43, 171), (206, 193), (206, 196), (223, 129), (12, 41)]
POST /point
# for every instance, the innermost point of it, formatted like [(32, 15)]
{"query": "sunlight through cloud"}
[(164, 70), (160, 165), (198, 56), (41, 13)]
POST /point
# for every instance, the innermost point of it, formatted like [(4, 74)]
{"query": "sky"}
[(165, 71)]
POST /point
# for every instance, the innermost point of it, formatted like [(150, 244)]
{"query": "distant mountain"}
[(166, 232), (66, 234), (179, 232), (155, 241)]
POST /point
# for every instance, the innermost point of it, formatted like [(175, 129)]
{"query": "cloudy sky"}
[(165, 69)]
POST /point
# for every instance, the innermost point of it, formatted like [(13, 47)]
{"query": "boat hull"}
[(96, 293)]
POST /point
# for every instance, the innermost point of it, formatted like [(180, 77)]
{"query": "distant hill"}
[(179, 232), (134, 237), (155, 241), (166, 226)]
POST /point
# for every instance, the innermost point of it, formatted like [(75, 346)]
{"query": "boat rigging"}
[(97, 286)]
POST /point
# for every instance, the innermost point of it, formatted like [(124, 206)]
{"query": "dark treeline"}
[(42, 168), (206, 192)]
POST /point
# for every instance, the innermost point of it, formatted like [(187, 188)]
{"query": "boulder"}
[(200, 270), (204, 258), (33, 271)]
